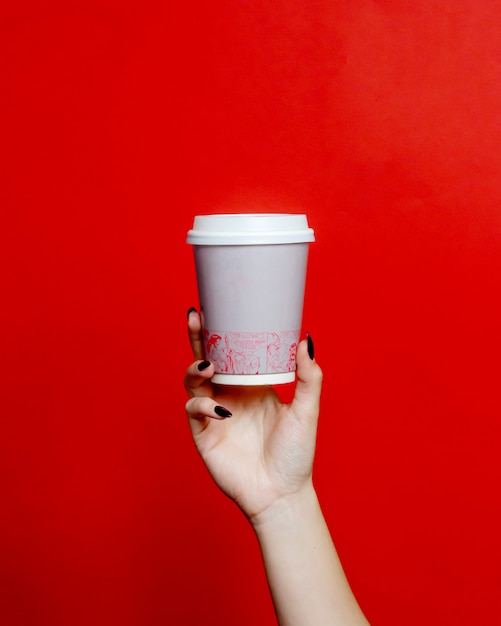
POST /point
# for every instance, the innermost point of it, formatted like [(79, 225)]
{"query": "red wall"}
[(122, 120)]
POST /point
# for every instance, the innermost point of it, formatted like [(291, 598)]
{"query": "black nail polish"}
[(221, 411), (190, 310), (311, 347), (203, 366)]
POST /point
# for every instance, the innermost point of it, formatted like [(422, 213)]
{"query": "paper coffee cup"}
[(251, 273)]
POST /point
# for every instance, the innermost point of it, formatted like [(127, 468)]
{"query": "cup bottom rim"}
[(254, 379)]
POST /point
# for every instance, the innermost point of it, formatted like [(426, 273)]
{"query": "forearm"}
[(306, 579)]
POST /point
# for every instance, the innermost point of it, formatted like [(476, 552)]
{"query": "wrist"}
[(286, 510)]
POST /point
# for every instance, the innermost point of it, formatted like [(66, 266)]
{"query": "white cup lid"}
[(249, 228)]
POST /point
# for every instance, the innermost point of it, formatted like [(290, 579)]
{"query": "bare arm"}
[(305, 576), (260, 453)]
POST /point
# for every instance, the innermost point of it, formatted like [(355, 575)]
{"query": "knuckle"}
[(191, 406)]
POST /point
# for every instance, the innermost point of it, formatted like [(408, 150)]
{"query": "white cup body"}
[(251, 297)]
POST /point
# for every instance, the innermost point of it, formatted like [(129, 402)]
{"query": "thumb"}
[(306, 401)]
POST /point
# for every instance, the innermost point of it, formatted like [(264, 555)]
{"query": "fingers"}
[(197, 378), (306, 402), (200, 410), (195, 334)]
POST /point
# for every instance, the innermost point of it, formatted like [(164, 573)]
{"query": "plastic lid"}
[(250, 228)]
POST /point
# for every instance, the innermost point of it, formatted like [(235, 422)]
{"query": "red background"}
[(122, 120)]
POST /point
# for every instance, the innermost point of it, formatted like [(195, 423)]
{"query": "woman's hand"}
[(258, 450)]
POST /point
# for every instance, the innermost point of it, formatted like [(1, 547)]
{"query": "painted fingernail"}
[(221, 411), (190, 311), (311, 347), (203, 365)]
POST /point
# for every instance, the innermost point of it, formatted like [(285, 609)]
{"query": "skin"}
[(261, 457)]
